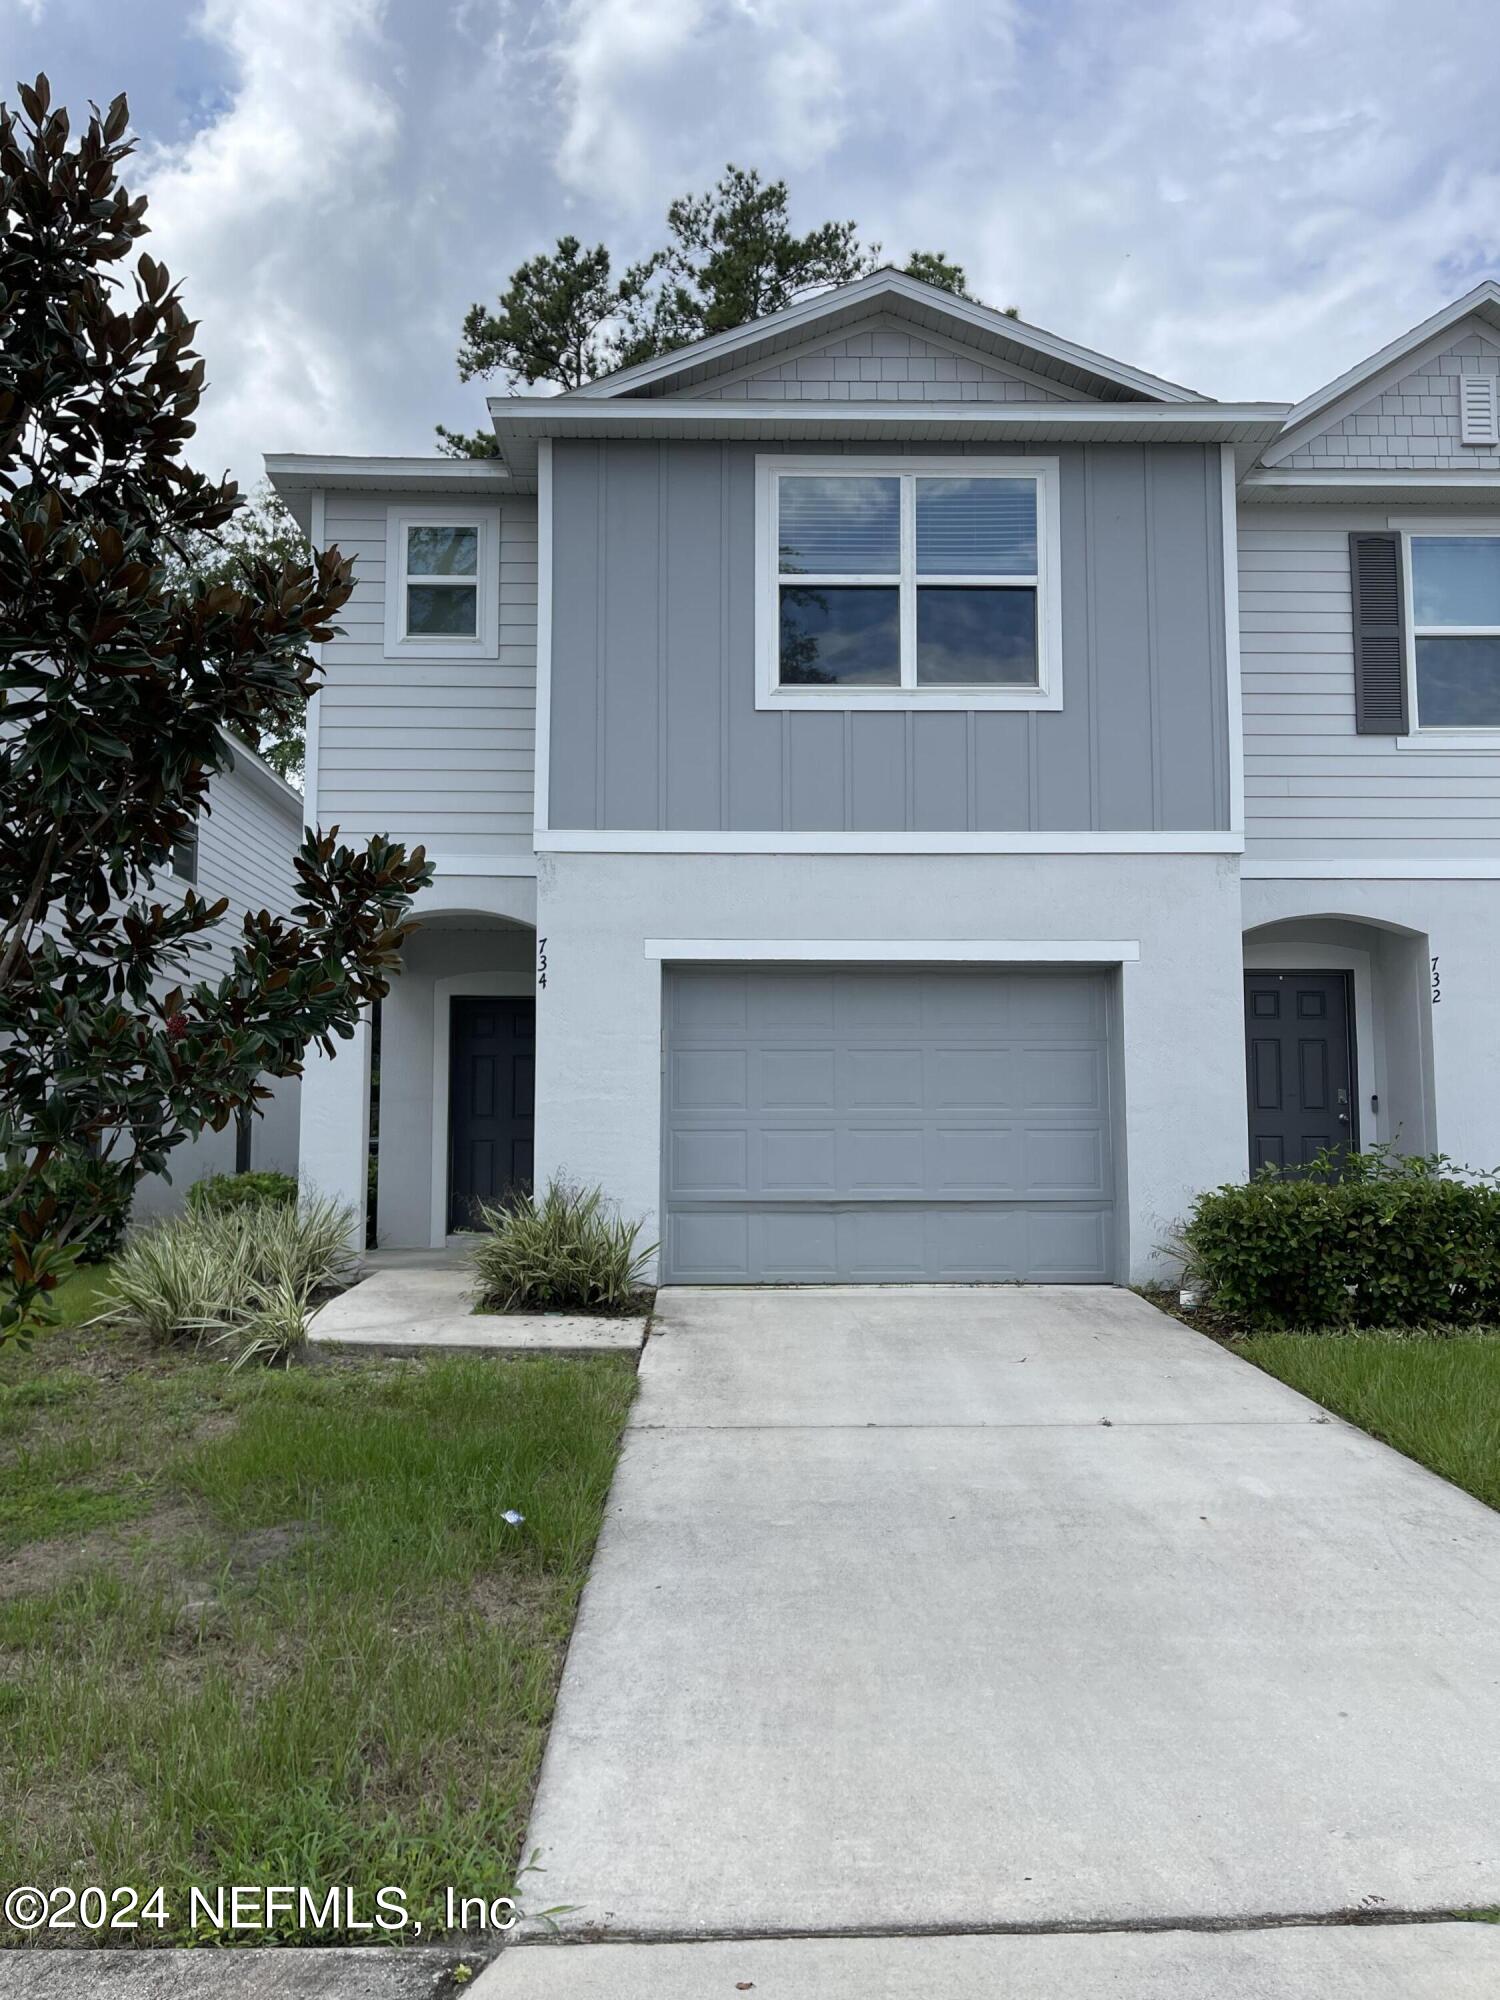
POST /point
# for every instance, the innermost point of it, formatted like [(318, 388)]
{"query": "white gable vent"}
[(1479, 418)]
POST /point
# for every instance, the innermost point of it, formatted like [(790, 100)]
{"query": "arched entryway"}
[(1338, 1037)]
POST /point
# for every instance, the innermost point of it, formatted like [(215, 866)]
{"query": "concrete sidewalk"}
[(986, 1609), (412, 1301)]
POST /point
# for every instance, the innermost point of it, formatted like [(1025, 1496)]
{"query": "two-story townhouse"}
[(854, 848), (242, 850)]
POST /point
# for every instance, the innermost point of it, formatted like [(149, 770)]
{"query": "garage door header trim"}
[(895, 951)]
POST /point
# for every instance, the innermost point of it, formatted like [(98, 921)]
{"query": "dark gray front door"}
[(1299, 1063), (492, 1071), (874, 1124)]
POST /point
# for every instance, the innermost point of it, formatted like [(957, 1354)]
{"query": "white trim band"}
[(907, 951), (614, 840), (1401, 869)]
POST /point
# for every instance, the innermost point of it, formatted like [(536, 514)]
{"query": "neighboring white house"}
[(243, 850), (913, 798)]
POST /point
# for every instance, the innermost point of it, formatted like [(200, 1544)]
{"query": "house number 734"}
[(541, 961)]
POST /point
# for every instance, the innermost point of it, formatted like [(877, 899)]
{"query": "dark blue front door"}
[(1299, 1064), (492, 1064)]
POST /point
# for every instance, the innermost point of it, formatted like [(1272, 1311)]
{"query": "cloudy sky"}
[(1244, 195)]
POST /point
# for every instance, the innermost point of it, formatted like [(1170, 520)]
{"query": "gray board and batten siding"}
[(653, 716)]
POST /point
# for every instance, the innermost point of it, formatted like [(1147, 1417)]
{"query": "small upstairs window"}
[(909, 584), (1455, 623), (442, 582), (185, 857)]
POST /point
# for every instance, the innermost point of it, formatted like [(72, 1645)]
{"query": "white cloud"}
[(261, 212), (1247, 199)]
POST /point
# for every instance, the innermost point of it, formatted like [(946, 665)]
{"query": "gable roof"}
[(1366, 380), (979, 327)]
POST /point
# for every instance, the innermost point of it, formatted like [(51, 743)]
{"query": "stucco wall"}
[(599, 1047)]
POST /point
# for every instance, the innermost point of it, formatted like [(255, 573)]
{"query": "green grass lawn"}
[(1437, 1398), (272, 1628)]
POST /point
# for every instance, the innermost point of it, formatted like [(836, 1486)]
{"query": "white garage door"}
[(861, 1124)]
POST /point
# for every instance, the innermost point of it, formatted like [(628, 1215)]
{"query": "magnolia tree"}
[(123, 664)]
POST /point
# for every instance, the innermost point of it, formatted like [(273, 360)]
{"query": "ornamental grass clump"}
[(568, 1252), (1363, 1240), (245, 1278)]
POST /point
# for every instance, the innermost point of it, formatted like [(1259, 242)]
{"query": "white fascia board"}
[(1463, 486), (909, 951), (257, 772), (557, 416), (587, 840), (520, 421), (295, 472), (887, 284), (1401, 868)]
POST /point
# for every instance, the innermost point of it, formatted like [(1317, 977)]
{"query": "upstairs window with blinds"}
[(893, 581)]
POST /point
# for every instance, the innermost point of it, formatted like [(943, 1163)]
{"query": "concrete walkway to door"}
[(930, 1610)]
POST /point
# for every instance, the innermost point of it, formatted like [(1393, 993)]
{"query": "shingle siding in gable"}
[(1414, 425), (885, 366)]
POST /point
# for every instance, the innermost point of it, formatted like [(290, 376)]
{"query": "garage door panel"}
[(709, 1080), (873, 1124), (978, 1160), (797, 1246), (1068, 1246), (1058, 1007), (966, 1078), (791, 1002), (798, 1160), (706, 1160), (1069, 1164), (882, 1159), (710, 1244), (713, 1000), (881, 1079), (1062, 1079)]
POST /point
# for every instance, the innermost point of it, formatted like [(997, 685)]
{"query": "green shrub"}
[(565, 1253), (1374, 1239), (220, 1191), (247, 1277), (83, 1185)]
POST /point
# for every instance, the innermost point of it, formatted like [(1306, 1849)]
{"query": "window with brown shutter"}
[(1379, 634)]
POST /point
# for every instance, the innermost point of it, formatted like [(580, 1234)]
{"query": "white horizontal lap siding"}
[(245, 847), (1312, 786), (431, 751)]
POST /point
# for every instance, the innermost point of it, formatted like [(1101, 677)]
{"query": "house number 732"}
[(1437, 983), (541, 961)]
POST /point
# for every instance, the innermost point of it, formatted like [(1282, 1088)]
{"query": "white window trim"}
[(1440, 737), (485, 645), (1047, 694)]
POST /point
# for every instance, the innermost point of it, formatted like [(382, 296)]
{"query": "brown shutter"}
[(1379, 634)]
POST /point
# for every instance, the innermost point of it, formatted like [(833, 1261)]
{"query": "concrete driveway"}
[(933, 1611)]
